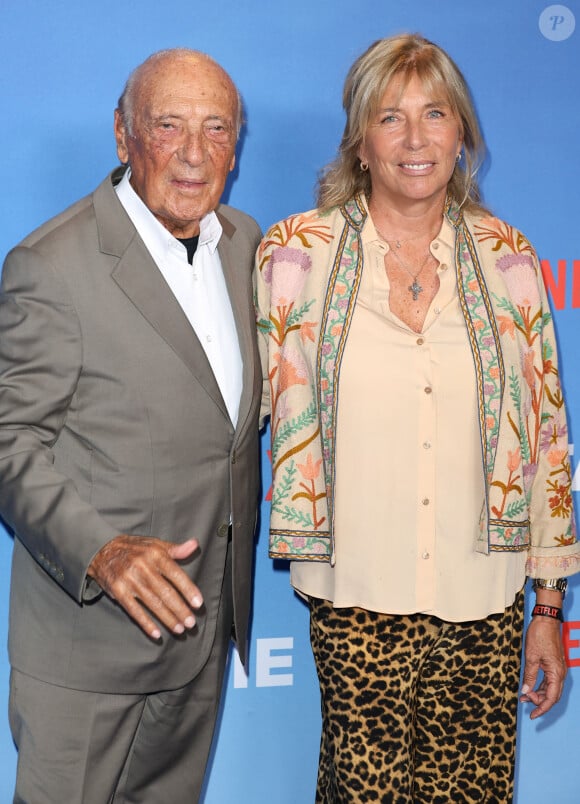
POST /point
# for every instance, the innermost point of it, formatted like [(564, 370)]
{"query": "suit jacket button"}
[(223, 530)]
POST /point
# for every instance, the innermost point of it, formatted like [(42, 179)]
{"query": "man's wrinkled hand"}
[(142, 575)]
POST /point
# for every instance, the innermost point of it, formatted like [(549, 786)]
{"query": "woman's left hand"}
[(543, 651)]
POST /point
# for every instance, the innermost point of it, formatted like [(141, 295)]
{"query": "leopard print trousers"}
[(416, 710)]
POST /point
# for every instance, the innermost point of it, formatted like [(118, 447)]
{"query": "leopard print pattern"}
[(416, 710)]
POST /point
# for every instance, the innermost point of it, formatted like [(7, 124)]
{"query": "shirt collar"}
[(155, 236)]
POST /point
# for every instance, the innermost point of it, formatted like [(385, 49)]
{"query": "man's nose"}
[(192, 149)]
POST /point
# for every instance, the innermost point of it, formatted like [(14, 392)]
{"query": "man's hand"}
[(544, 651), (142, 575)]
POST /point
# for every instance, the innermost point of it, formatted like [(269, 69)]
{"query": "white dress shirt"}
[(199, 288)]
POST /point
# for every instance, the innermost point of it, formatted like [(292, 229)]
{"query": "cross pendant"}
[(415, 289)]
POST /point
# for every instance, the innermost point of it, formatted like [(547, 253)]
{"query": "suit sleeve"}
[(261, 301), (40, 363)]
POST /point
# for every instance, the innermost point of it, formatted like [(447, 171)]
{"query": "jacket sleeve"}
[(555, 551), (40, 362)]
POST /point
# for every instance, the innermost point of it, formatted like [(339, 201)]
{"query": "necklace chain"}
[(414, 288), (398, 243)]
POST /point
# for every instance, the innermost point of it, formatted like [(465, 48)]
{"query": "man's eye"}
[(218, 131)]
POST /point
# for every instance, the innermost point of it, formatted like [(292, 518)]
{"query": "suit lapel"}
[(142, 282)]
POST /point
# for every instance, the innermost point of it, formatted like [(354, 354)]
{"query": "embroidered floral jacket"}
[(307, 278)]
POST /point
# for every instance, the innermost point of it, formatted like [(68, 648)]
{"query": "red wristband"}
[(548, 611)]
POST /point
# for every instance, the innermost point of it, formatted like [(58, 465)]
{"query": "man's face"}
[(182, 145)]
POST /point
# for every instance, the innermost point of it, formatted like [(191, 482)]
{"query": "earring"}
[(364, 166), (458, 157)]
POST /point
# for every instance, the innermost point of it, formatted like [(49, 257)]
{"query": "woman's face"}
[(411, 146)]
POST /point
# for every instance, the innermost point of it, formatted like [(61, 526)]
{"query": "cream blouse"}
[(412, 461)]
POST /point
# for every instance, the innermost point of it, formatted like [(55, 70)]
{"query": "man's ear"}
[(121, 136)]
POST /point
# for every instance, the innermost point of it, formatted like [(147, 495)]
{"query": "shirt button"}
[(208, 338), (426, 445), (436, 310), (425, 500), (435, 245), (443, 266), (428, 390), (425, 555), (420, 341)]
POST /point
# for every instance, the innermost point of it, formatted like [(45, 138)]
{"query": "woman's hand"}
[(543, 651)]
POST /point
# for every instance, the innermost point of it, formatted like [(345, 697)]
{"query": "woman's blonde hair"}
[(366, 83)]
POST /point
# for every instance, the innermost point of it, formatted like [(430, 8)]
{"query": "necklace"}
[(397, 242), (415, 288)]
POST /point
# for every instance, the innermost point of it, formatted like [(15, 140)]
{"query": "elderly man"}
[(129, 395)]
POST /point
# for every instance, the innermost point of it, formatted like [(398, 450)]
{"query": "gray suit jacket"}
[(111, 421)]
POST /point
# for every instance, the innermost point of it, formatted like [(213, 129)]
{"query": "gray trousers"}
[(77, 747)]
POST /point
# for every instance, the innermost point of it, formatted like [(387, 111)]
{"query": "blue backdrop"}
[(64, 65)]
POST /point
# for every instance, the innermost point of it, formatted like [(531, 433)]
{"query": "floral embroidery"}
[(513, 464), (503, 234), (338, 309), (537, 430), (285, 270), (300, 226), (521, 280), (484, 337), (310, 471)]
